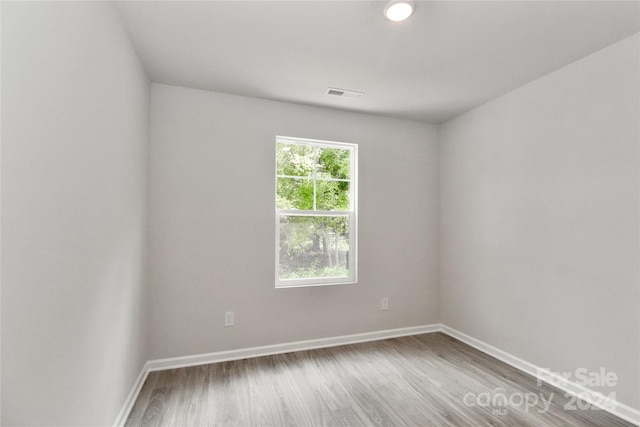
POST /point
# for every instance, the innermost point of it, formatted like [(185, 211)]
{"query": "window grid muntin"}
[(316, 146)]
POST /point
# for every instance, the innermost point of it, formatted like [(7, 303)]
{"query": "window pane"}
[(295, 159), (314, 246), (294, 193), (332, 196), (334, 163)]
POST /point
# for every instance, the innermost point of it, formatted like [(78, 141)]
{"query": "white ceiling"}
[(449, 57)]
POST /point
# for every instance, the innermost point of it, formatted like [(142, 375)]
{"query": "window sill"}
[(309, 285)]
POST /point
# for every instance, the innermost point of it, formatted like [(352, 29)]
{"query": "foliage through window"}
[(315, 212)]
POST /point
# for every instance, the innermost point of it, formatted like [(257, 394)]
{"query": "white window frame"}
[(352, 214)]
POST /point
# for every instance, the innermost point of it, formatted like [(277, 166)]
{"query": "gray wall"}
[(539, 219), (213, 216), (74, 156)]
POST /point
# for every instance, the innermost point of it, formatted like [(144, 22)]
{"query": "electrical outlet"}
[(384, 303), (228, 318)]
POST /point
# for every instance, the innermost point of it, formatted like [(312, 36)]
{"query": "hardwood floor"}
[(423, 380)]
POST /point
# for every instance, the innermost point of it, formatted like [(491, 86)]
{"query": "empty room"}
[(320, 213)]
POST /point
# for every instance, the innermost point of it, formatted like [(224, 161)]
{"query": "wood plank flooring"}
[(422, 380)]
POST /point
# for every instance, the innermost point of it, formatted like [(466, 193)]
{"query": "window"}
[(315, 212)]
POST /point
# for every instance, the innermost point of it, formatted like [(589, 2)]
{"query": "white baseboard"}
[(620, 410), (131, 398), (246, 353), (594, 398)]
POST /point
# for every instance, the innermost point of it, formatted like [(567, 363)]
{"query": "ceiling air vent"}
[(343, 93)]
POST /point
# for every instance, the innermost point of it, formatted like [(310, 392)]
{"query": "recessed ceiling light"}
[(399, 10)]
